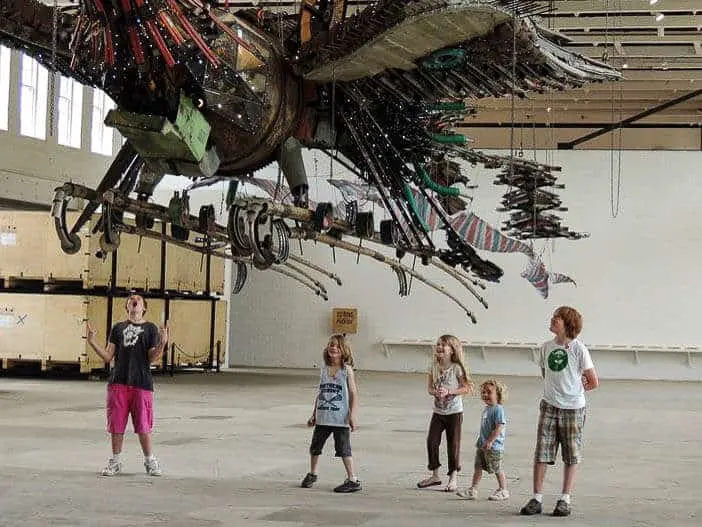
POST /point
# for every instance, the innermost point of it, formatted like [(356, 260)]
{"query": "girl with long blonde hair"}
[(448, 380)]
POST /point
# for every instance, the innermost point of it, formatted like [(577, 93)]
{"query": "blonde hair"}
[(456, 357), (346, 353), (500, 389)]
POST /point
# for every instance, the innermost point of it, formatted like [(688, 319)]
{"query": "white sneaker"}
[(113, 467), (152, 467), (499, 495), (469, 494)]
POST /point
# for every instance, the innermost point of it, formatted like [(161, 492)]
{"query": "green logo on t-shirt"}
[(557, 359)]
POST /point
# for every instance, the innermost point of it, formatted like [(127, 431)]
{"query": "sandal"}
[(451, 487), (429, 482)]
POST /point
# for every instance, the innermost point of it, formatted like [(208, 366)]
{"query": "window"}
[(70, 112), (34, 84), (101, 135), (4, 87)]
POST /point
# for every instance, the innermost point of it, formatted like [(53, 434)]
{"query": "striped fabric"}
[(356, 191), (537, 275), (558, 278), (481, 235), (425, 210), (269, 186)]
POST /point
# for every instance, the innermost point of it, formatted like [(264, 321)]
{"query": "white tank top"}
[(448, 378), (333, 398)]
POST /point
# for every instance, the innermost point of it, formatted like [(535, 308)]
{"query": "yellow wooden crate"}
[(189, 329), (29, 248), (138, 262), (45, 328)]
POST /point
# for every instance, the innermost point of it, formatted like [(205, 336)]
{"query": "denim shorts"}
[(342, 440)]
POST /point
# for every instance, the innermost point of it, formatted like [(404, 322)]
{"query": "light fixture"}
[(625, 66), (653, 2), (659, 17)]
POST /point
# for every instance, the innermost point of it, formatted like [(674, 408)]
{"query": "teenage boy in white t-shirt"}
[(568, 373)]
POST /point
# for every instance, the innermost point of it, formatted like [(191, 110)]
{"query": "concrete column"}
[(13, 113)]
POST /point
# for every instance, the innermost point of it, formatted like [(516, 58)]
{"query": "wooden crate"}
[(138, 262), (59, 265), (29, 248), (46, 328), (189, 328), (217, 275), (186, 270), (97, 315)]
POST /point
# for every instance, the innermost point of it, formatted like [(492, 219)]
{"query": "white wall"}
[(30, 168), (637, 277)]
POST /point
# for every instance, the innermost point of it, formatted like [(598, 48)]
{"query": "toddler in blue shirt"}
[(490, 447)]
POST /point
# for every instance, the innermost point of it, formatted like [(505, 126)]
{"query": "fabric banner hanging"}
[(481, 235)]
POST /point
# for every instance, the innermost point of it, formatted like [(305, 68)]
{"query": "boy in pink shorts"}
[(134, 344)]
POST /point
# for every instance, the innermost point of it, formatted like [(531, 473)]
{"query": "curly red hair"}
[(572, 320)]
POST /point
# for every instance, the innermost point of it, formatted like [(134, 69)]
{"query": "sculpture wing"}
[(28, 25)]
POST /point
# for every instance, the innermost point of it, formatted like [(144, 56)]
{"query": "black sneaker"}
[(562, 508), (310, 479), (531, 508), (349, 486)]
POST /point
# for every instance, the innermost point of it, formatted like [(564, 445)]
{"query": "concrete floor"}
[(233, 449)]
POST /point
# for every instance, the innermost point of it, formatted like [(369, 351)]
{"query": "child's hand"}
[(352, 422), (442, 392), (585, 381), (487, 445), (311, 421), (90, 334)]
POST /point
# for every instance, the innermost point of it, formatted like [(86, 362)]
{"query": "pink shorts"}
[(123, 401)]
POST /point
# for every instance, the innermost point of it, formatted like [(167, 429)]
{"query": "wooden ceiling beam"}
[(569, 7), (649, 39), (584, 117), (611, 22)]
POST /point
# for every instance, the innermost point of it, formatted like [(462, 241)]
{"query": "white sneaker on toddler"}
[(469, 494), (499, 495), (113, 467), (152, 467)]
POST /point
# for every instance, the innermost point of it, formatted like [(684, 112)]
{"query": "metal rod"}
[(394, 264), (569, 145), (452, 272), (314, 267), (295, 277), (317, 283)]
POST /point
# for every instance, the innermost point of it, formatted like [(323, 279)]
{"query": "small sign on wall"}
[(344, 320), (8, 239)]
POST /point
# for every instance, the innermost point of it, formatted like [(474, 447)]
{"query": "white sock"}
[(539, 497), (117, 458), (149, 458), (566, 498), (353, 478)]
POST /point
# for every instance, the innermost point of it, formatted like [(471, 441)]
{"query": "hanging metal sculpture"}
[(214, 93)]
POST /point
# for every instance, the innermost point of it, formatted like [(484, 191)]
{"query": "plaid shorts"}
[(488, 460), (558, 426)]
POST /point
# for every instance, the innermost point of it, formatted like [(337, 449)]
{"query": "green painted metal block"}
[(193, 127), (155, 137)]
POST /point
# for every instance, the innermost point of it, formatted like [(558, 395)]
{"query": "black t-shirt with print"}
[(132, 344)]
